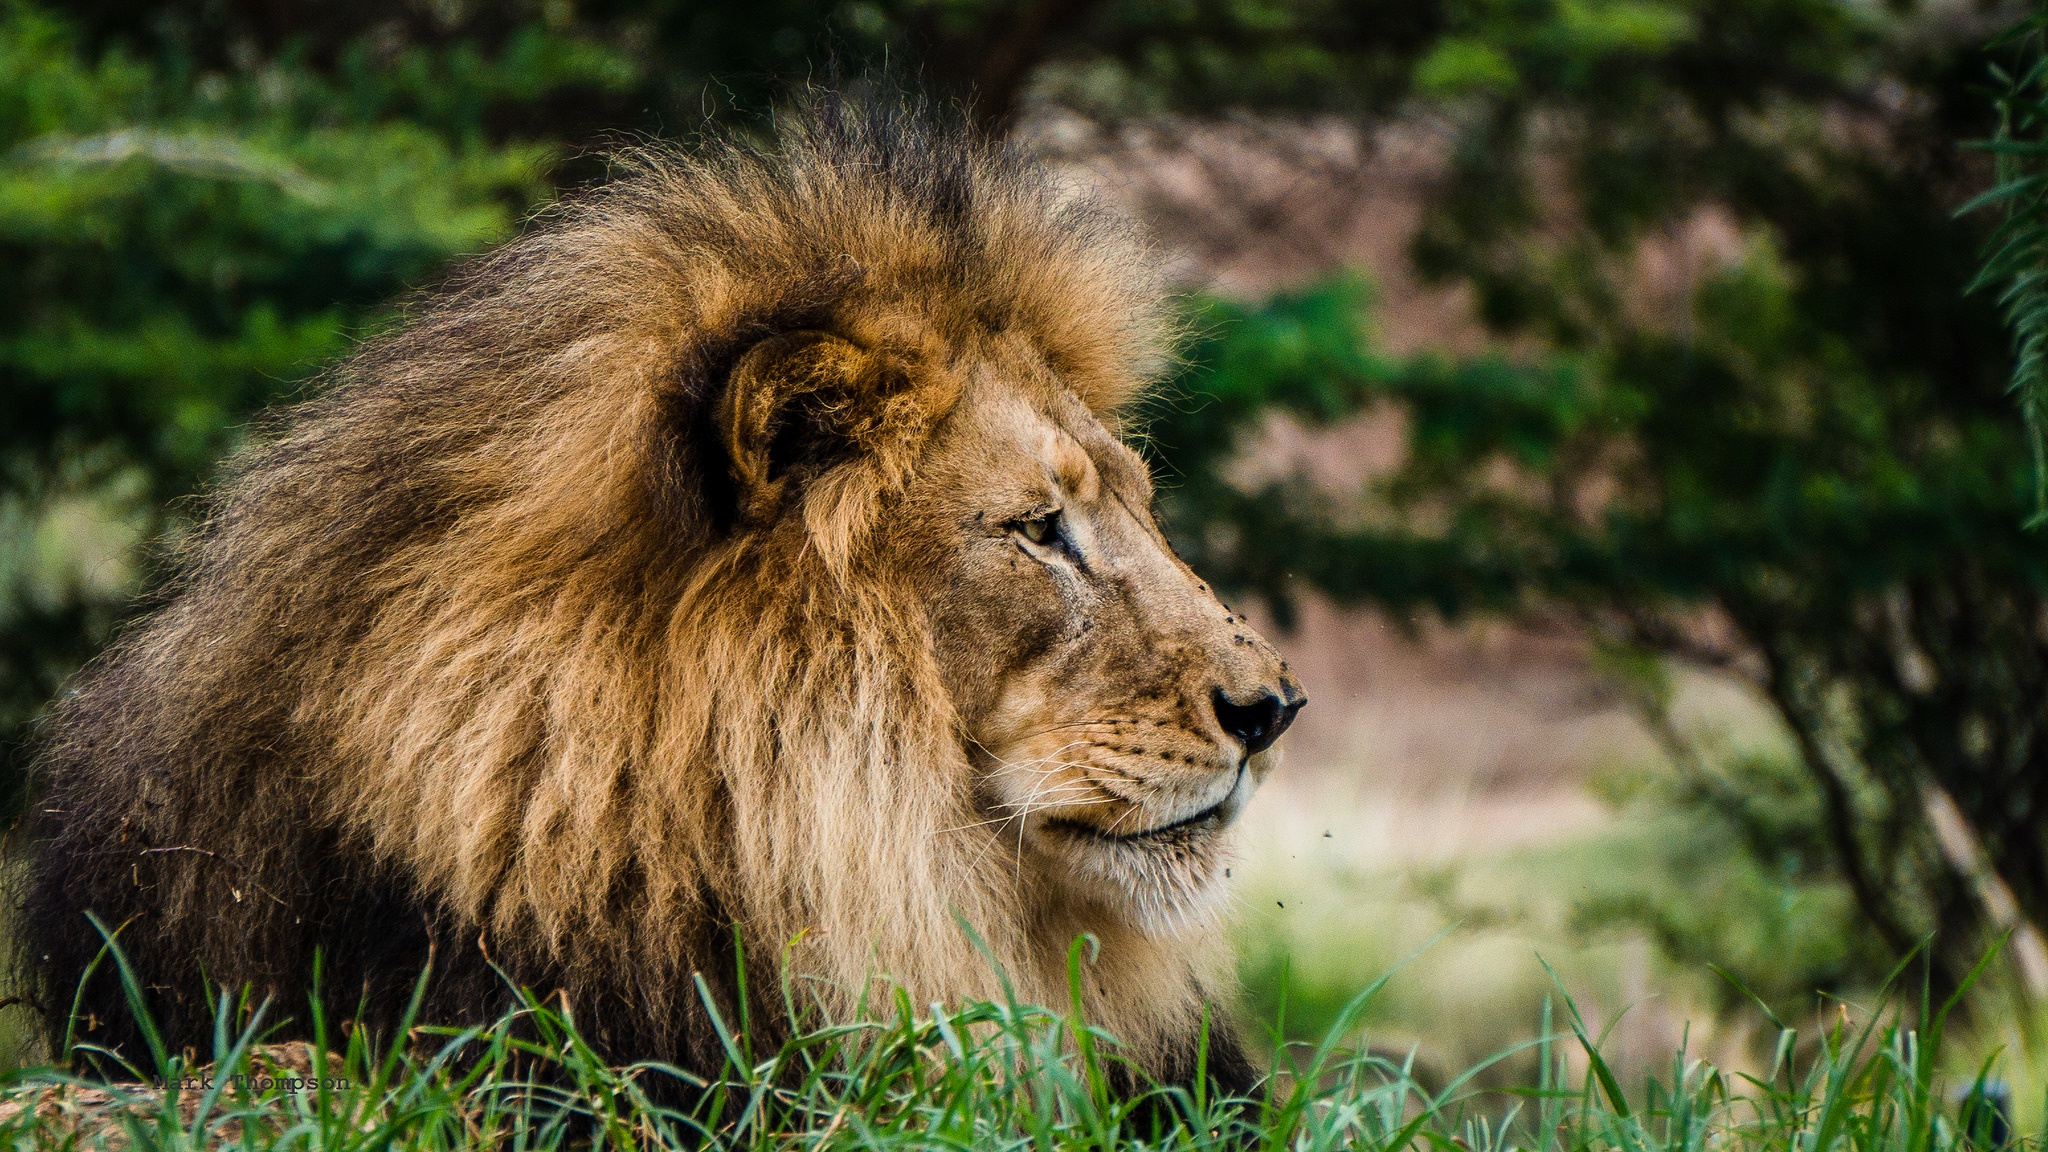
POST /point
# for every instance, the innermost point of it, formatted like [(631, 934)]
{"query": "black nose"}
[(1258, 723)]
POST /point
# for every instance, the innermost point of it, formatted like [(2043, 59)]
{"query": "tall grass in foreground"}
[(982, 1076)]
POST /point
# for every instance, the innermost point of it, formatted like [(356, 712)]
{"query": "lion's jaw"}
[(1096, 678)]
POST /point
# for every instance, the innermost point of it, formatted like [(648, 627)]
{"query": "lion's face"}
[(1116, 713)]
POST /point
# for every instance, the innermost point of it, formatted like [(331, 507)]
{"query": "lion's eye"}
[(1041, 529)]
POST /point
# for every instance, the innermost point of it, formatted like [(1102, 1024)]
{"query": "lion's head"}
[(1114, 713), (751, 544)]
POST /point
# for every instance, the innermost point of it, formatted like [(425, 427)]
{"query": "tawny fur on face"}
[(1122, 722)]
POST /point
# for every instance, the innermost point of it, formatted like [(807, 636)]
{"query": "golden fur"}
[(656, 579)]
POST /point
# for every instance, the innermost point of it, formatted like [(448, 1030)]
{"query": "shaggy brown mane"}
[(479, 655)]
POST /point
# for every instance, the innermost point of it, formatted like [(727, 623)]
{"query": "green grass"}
[(994, 1075)]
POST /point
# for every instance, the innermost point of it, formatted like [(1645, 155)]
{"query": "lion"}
[(745, 562)]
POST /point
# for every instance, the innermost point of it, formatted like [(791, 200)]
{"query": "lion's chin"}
[(1164, 881)]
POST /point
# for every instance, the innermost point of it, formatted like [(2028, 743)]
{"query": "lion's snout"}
[(1257, 724)]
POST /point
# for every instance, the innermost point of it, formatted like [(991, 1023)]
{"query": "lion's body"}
[(477, 660)]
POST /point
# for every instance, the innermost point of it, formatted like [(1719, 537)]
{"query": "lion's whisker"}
[(1042, 790), (1020, 815), (1027, 764)]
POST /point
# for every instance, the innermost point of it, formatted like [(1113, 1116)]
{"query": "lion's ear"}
[(795, 405)]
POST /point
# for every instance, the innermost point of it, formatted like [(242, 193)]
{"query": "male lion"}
[(747, 550)]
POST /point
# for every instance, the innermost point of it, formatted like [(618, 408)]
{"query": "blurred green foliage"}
[(184, 247), (1790, 459), (720, 58), (1728, 871), (2017, 261)]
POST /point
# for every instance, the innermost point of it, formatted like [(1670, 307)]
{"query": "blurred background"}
[(1591, 395)]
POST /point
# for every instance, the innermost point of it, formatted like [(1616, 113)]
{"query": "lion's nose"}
[(1257, 724)]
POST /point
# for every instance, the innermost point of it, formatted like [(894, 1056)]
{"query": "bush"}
[(185, 247), (1795, 466)]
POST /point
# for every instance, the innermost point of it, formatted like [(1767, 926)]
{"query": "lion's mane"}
[(471, 659)]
